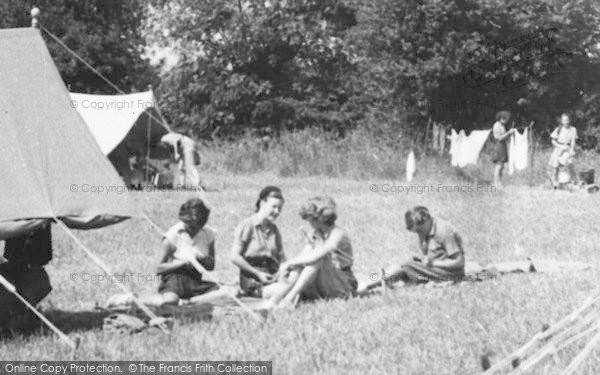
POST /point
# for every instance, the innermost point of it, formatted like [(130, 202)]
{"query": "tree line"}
[(392, 66)]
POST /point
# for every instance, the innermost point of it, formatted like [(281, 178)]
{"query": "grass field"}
[(410, 331)]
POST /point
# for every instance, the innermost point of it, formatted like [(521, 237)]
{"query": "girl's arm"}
[(167, 263), (506, 135), (279, 243), (318, 252)]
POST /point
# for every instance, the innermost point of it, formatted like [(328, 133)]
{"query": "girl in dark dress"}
[(500, 136)]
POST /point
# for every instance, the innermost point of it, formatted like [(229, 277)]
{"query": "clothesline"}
[(465, 149)]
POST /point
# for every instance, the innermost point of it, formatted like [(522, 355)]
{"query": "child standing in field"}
[(563, 140), (442, 252), (500, 136), (257, 247), (189, 238), (324, 267)]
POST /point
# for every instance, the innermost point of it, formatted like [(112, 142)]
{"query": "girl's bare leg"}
[(158, 300), (307, 276), (392, 274), (275, 292), (223, 293), (555, 177), (498, 174)]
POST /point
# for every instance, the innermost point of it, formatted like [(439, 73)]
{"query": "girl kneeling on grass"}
[(443, 256), (187, 239), (324, 267), (257, 247)]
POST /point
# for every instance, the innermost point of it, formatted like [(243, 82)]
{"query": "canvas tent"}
[(124, 125), (50, 166), (49, 156)]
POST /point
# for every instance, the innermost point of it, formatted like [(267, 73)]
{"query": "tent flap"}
[(129, 118)]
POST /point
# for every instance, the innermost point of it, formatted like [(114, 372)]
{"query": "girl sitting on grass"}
[(443, 256), (257, 247), (189, 238), (324, 267)]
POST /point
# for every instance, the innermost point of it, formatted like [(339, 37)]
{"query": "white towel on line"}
[(518, 151), (465, 149), (410, 166)]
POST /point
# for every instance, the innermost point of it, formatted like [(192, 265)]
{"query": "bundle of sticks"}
[(579, 324)]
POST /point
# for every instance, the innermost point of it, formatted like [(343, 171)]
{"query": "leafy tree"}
[(462, 60), (105, 33), (263, 65)]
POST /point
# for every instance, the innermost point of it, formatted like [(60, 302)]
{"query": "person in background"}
[(500, 136), (563, 140), (442, 257)]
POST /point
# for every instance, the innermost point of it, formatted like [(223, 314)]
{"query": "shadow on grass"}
[(69, 321), (66, 321)]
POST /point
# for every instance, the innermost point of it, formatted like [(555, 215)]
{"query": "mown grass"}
[(411, 331)]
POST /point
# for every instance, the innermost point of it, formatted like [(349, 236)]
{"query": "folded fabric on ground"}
[(475, 271), (129, 324), (518, 151), (465, 149)]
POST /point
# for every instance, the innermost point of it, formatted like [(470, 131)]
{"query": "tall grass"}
[(360, 155)]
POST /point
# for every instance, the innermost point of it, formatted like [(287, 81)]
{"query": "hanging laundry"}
[(410, 166), (518, 151), (465, 149), (455, 141), (442, 138), (435, 137)]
